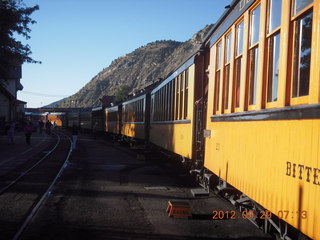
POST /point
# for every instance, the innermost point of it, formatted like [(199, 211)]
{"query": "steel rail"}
[(44, 196), (2, 190)]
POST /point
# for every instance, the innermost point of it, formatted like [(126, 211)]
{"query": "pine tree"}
[(14, 19)]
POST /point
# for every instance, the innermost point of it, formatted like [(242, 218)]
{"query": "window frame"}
[(218, 88), (177, 97), (242, 58), (227, 91), (181, 100), (306, 98), (186, 93), (272, 104), (251, 47)]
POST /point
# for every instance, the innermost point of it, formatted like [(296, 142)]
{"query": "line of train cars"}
[(244, 113)]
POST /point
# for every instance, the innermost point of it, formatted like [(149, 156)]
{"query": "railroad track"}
[(28, 188)]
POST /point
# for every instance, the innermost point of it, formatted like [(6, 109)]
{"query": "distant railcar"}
[(113, 120), (85, 123), (32, 116), (136, 118), (57, 118), (98, 119), (73, 119)]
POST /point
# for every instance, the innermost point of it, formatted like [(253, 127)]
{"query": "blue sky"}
[(76, 39)]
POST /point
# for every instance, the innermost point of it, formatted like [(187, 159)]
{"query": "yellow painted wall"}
[(176, 138), (135, 130), (253, 156)]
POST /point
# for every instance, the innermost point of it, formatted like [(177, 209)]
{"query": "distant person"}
[(10, 127), (41, 124), (48, 127), (35, 126), (95, 130), (28, 129), (74, 133)]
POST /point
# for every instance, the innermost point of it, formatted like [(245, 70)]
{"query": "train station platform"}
[(106, 192)]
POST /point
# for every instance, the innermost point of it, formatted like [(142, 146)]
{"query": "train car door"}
[(200, 105)]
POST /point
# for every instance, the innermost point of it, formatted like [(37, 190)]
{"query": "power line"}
[(43, 94)]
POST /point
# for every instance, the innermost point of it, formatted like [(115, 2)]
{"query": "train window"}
[(273, 41), (142, 110), (302, 55), (138, 117), (165, 102), (227, 70), (253, 75), (253, 54), (168, 99), (217, 75), (299, 5), (177, 98), (274, 10), (254, 25), (186, 87), (239, 51), (181, 95), (161, 105), (152, 107), (156, 107), (172, 99), (273, 67), (228, 48), (239, 45), (136, 111)]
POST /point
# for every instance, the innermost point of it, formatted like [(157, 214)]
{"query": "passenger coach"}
[(113, 116), (98, 119), (136, 118), (173, 124), (263, 112)]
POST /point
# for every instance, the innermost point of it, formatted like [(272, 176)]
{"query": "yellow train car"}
[(263, 113), (57, 118), (113, 120), (172, 110), (135, 118)]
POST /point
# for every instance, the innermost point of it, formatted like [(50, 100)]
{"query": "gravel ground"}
[(105, 192)]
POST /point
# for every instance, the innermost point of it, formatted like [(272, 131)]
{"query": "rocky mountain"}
[(136, 70)]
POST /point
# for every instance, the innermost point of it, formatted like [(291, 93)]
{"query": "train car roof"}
[(112, 109), (227, 19), (136, 98), (56, 113), (36, 114), (96, 109)]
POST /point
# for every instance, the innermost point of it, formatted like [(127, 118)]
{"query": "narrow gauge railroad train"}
[(243, 112)]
